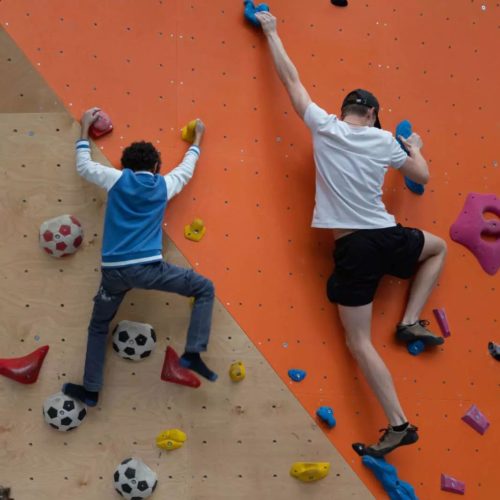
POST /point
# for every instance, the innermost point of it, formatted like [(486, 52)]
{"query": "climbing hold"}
[(173, 372), (63, 413), (297, 375), (470, 226), (187, 132), (359, 448), (195, 231), (325, 414), (452, 485), (237, 371), (61, 235), (494, 350), (25, 369), (310, 471), (476, 419), (101, 126), (4, 493), (134, 479), (387, 474), (442, 321), (404, 129), (415, 347), (171, 439), (340, 3), (251, 10), (134, 341)]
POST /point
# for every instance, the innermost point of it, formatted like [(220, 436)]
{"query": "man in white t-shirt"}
[(352, 154)]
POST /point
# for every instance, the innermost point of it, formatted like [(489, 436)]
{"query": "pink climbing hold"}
[(442, 321), (476, 419), (452, 485), (470, 226)]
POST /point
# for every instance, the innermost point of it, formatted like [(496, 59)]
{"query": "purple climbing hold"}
[(452, 485), (442, 321), (476, 419), (471, 226)]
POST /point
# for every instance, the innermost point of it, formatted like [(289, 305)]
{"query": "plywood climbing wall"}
[(153, 65)]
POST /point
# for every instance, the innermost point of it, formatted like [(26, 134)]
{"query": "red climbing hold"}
[(173, 372), (26, 369)]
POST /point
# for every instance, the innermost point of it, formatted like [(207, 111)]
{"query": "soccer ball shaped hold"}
[(63, 413), (134, 480), (133, 340), (61, 235)]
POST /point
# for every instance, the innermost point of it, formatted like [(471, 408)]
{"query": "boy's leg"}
[(357, 325), (432, 260), (186, 282)]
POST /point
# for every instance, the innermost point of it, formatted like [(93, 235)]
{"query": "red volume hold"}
[(26, 369), (173, 372)]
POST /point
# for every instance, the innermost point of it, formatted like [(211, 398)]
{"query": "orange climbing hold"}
[(25, 369), (173, 372)]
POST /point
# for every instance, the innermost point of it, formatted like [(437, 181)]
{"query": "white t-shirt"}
[(351, 162)]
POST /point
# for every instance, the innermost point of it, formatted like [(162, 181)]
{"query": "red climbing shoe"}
[(173, 372), (26, 369)]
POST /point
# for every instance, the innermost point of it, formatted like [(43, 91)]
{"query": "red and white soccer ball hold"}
[(61, 235)]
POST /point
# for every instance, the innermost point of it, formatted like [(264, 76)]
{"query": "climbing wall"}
[(153, 65)]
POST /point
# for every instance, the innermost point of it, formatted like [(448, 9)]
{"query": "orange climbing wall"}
[(153, 65)]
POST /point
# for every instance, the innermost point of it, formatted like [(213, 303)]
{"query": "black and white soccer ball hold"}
[(134, 480), (132, 340), (63, 413)]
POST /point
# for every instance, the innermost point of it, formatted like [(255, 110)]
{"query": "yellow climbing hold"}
[(187, 132), (171, 439), (237, 371), (310, 471), (195, 231)]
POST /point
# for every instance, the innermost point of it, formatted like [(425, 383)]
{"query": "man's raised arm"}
[(284, 66)]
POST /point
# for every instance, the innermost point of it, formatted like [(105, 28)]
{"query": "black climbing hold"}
[(359, 448), (340, 3), (494, 350)]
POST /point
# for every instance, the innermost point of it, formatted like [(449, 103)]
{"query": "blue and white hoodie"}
[(136, 205)]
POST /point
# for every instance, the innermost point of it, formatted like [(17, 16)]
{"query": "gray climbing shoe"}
[(418, 331)]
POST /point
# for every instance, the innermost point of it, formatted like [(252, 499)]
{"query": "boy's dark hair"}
[(354, 109), (141, 156)]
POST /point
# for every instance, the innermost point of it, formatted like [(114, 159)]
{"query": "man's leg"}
[(106, 305), (186, 282), (357, 325)]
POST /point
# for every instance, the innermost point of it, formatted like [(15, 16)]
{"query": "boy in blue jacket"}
[(132, 250)]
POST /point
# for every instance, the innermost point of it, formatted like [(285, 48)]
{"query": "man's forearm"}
[(421, 162), (284, 66)]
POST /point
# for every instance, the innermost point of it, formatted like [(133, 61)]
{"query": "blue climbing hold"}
[(297, 375), (388, 477), (325, 414), (416, 347), (404, 129), (251, 9)]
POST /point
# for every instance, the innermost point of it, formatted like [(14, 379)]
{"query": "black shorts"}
[(363, 257)]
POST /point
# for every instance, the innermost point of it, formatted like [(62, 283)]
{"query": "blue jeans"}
[(115, 283)]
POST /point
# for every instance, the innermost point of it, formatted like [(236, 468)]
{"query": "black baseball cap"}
[(364, 98)]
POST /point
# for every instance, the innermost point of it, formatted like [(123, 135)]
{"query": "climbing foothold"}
[(237, 371), (476, 419), (297, 375), (61, 236), (416, 347), (442, 321), (171, 439), (452, 485), (339, 3), (471, 226), (494, 350), (173, 372), (195, 231), (359, 448), (404, 129), (25, 369), (387, 474), (251, 10), (101, 126), (325, 414), (187, 132), (310, 471)]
